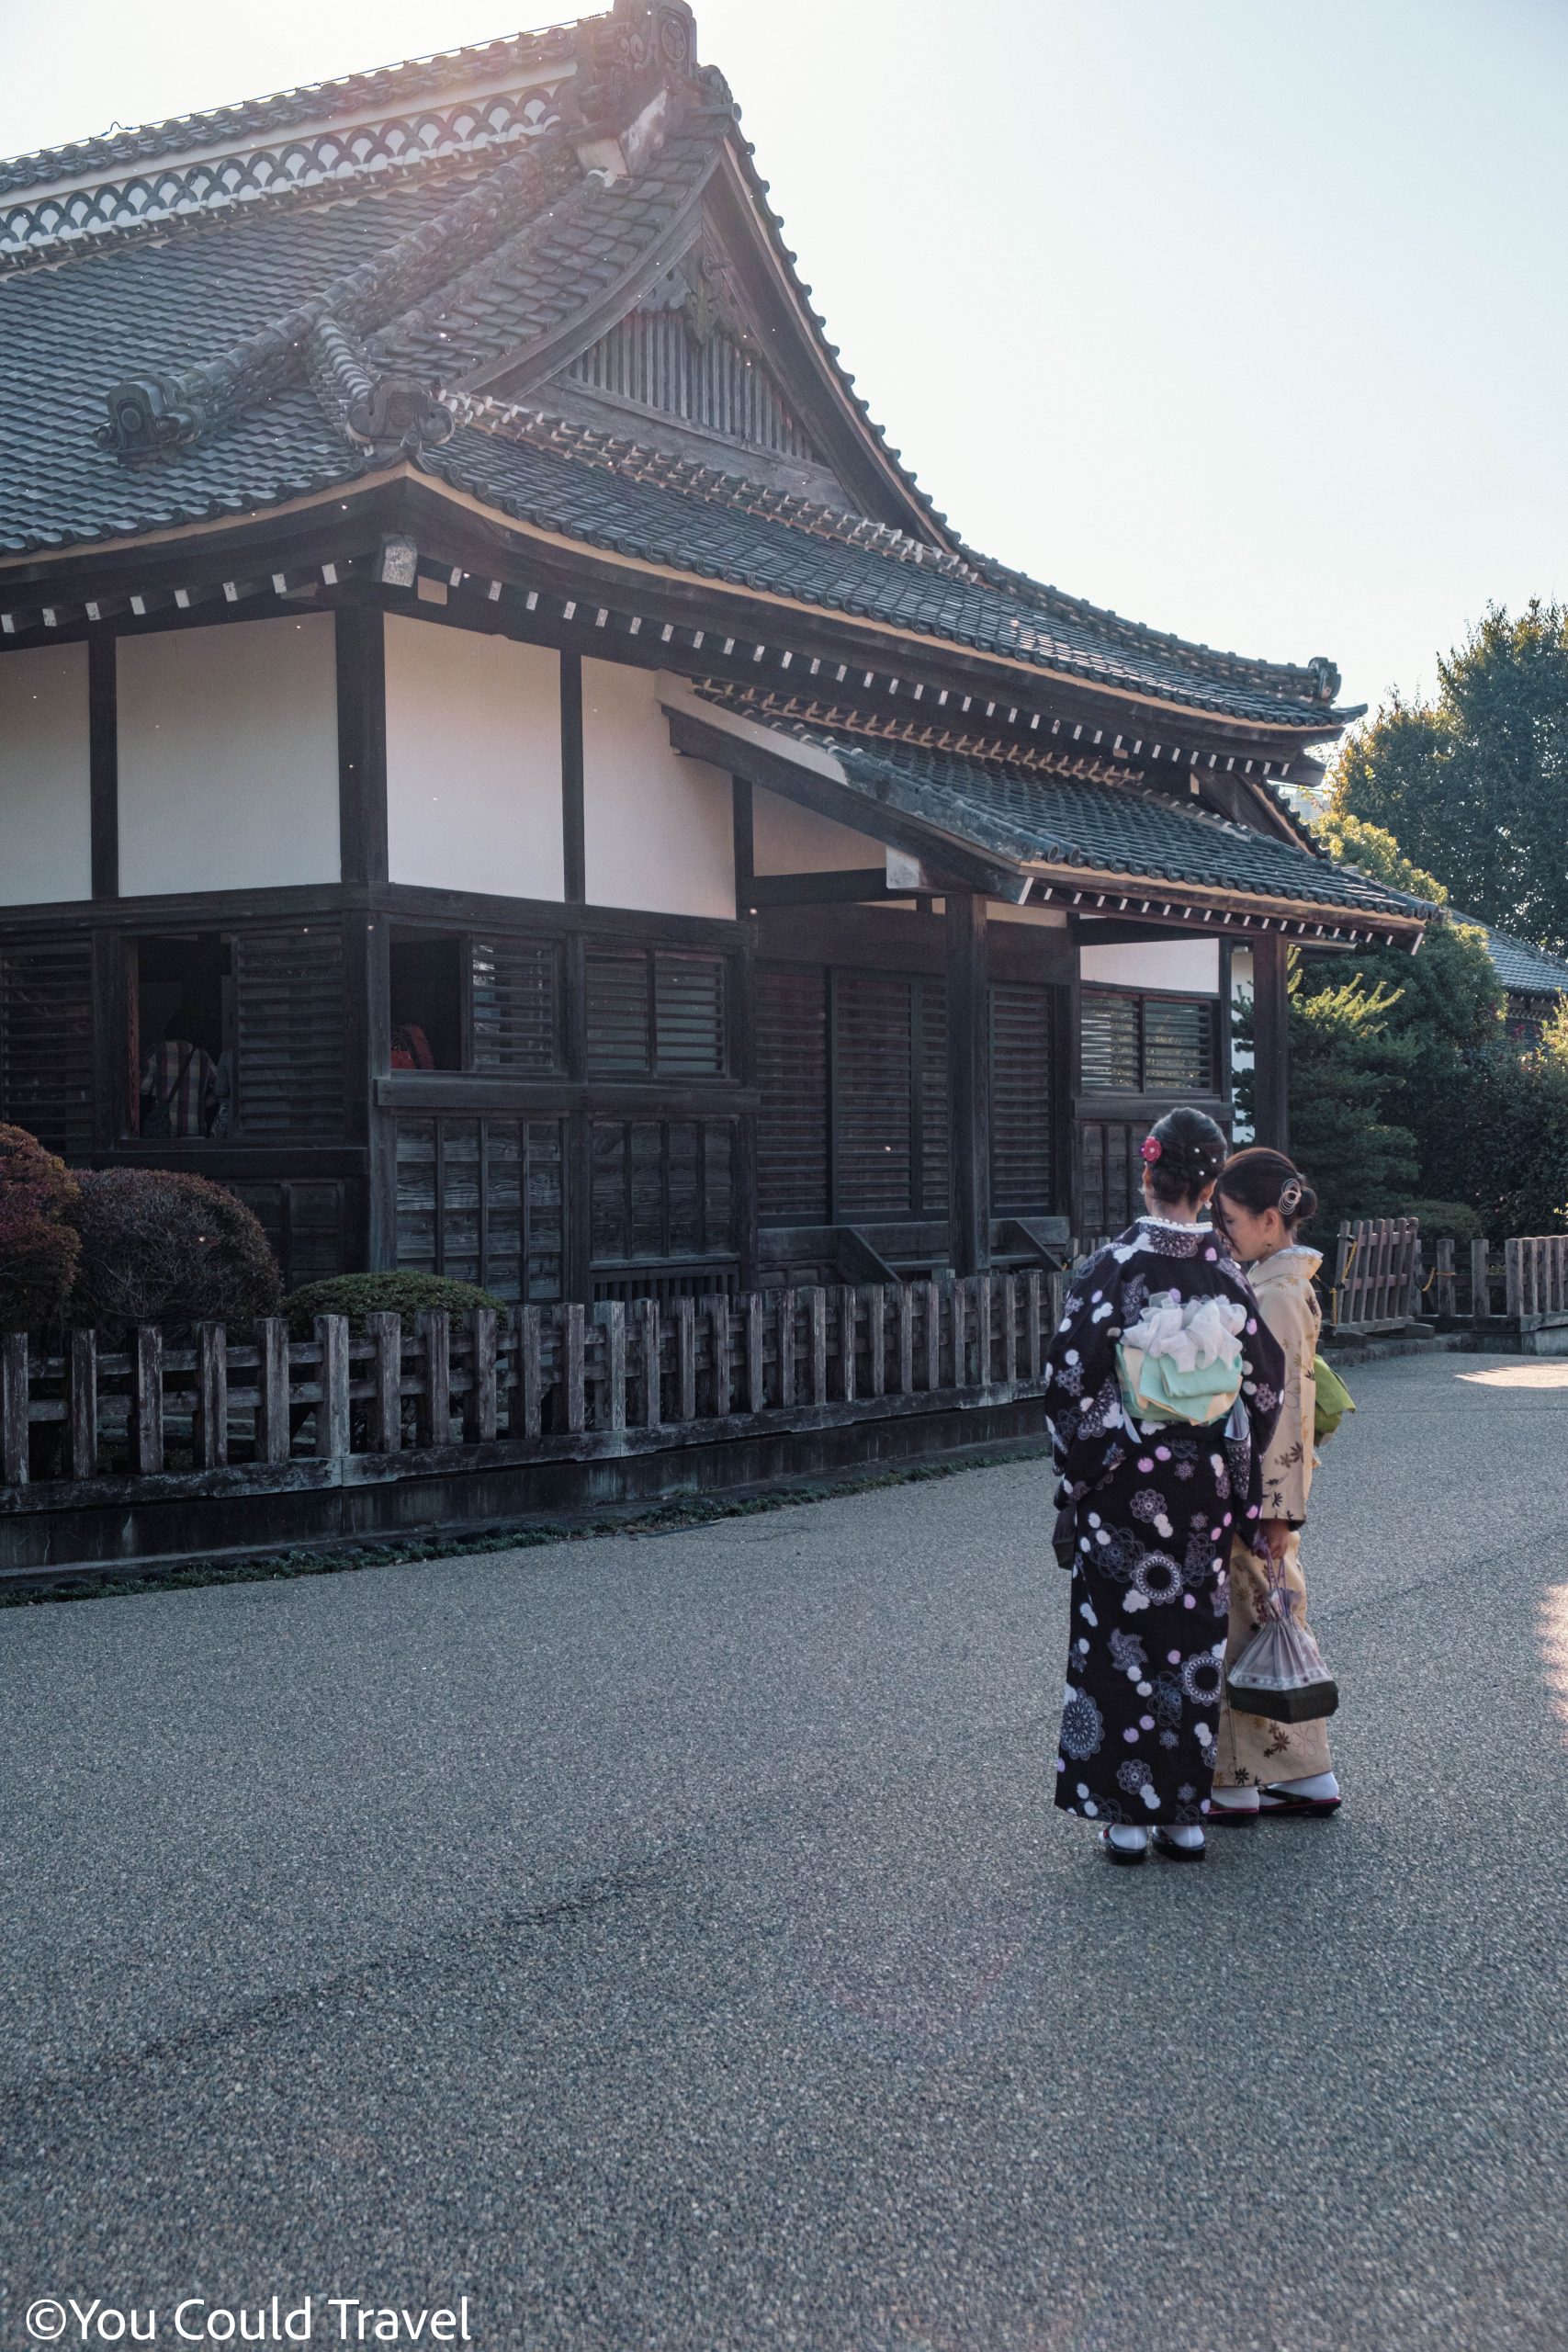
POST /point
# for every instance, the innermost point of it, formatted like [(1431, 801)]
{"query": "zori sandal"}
[(1115, 1853), (1282, 1798)]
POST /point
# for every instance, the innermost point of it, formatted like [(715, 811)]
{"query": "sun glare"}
[(1529, 1374)]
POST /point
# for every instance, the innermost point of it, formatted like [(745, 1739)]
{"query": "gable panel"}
[(46, 849)]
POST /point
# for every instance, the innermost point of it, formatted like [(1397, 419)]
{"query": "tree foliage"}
[(39, 1245), (160, 1247), (1474, 785)]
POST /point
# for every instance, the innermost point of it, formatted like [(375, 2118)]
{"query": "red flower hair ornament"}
[(1150, 1149)]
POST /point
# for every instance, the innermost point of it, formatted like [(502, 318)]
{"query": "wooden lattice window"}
[(290, 1010), (1023, 1068), (655, 1013), (481, 1199), (791, 1073), (1147, 1044), (1110, 1175), (515, 1004), (46, 1041)]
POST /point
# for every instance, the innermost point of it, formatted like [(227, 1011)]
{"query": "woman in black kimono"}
[(1150, 1507)]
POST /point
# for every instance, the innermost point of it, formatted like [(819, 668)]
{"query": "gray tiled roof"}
[(1029, 817), (1524, 970), (213, 324)]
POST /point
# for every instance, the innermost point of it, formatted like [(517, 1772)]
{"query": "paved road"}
[(668, 1942)]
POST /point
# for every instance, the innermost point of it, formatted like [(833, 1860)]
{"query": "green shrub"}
[(160, 1247), (38, 1243), (404, 1293), (1445, 1221)]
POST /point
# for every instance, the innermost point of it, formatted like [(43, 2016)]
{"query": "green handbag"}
[(1332, 1399)]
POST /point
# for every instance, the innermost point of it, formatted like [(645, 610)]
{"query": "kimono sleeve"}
[(1083, 1394), (1288, 1457)]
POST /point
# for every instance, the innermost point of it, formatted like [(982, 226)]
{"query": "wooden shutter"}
[(618, 1038), (481, 1200), (873, 1106), (792, 1071), (664, 1191), (516, 999), (1112, 1048), (719, 1188), (1020, 1097), (288, 991), (1179, 1046), (688, 1016), (46, 1043), (1111, 1173), (932, 1059)]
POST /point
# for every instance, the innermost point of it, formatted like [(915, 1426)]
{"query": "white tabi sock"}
[(1235, 1800), (1130, 1841), (1189, 1837), (1314, 1784)]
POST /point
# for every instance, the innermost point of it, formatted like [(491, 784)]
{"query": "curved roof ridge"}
[(414, 78)]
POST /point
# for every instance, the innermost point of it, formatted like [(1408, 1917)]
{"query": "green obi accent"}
[(1334, 1400), (1154, 1388)]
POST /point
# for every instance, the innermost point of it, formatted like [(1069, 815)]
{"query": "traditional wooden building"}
[(471, 670)]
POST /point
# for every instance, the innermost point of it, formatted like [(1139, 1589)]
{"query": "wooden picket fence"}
[(563, 1381), (1535, 1284), (1377, 1275)]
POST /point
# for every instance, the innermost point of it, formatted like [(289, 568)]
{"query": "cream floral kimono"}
[(1251, 1750)]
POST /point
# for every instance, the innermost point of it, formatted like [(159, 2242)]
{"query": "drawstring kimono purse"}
[(1281, 1673), (1181, 1360)]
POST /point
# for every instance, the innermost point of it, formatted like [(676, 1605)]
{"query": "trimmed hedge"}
[(404, 1293), (39, 1247), (162, 1247), (1453, 1221)]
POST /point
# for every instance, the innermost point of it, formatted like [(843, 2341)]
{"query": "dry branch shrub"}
[(160, 1247), (39, 1244)]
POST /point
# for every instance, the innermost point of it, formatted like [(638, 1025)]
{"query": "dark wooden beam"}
[(362, 742), (1270, 1041), (968, 1083), (574, 835), (103, 767), (745, 829), (827, 888)]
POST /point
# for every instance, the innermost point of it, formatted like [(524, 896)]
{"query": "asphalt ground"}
[(672, 1942)]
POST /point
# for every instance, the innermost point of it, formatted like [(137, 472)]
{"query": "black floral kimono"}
[(1154, 1507)]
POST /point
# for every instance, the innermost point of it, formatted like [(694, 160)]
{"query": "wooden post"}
[(611, 1315), (787, 1310), (848, 1319), (1448, 1289), (985, 1301), (435, 1363), (13, 1441), (272, 1389), (717, 1314), (1009, 1329), (147, 1400), (386, 1383), (816, 1318), (82, 1391), (1270, 1041), (531, 1369), (332, 1413), (685, 1359), (480, 1404), (1034, 1327), (211, 1430), (904, 1308), (933, 1335), (646, 1330), (876, 1339), (1480, 1280), (575, 1364), (968, 1084), (756, 1375)]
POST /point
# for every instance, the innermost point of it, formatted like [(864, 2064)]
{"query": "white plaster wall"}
[(228, 757), (46, 842), (1188, 967), (659, 830), (789, 840), (473, 761), (1241, 1056)]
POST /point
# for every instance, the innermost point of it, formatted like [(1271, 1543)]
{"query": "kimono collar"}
[(1296, 1263)]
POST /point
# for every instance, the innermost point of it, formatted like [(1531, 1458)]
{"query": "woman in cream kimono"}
[(1261, 1766)]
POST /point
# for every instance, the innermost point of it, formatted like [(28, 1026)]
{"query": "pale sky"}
[(1245, 317)]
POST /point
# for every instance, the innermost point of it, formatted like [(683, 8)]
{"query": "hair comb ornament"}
[(1290, 1197), (1150, 1149)]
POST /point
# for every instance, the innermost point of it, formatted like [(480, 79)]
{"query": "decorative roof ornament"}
[(384, 413), (624, 58)]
